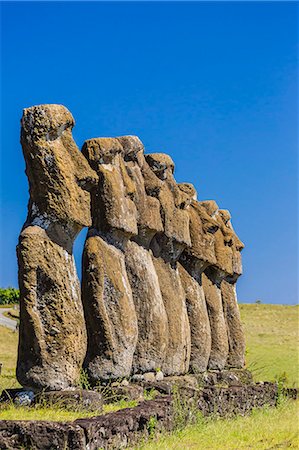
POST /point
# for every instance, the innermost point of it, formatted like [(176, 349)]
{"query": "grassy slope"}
[(264, 429), (272, 350), (8, 358), (272, 342), (56, 413)]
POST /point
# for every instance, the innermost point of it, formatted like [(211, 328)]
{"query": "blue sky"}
[(212, 84)]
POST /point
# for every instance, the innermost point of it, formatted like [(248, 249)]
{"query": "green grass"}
[(13, 412), (10, 305), (8, 358), (55, 413), (264, 429), (271, 341)]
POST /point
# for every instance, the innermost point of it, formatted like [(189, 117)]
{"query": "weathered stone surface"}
[(177, 357), (236, 339), (292, 393), (221, 238), (194, 260), (220, 292), (73, 400), (159, 375), (107, 297), (109, 311), (228, 268), (188, 381), (148, 207), (113, 207), (59, 176), (126, 427), (167, 247), (219, 344), (225, 378), (159, 267), (236, 244), (198, 320), (236, 399), (52, 335), (19, 396), (152, 319), (52, 338), (150, 376), (122, 392), (175, 218), (40, 435), (202, 227)]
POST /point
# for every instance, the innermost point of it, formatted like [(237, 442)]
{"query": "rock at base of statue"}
[(117, 392), (19, 396), (227, 377), (74, 400)]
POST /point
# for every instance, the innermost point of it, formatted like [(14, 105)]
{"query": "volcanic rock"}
[(52, 338), (109, 311), (152, 320)]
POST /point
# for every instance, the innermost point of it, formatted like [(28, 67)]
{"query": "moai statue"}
[(212, 278), (148, 206), (110, 314), (167, 247), (52, 337), (152, 320), (193, 261), (236, 338)]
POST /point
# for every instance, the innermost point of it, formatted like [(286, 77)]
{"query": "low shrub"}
[(9, 296)]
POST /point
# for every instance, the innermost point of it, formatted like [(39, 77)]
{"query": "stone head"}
[(113, 207), (161, 164), (233, 241), (100, 151), (132, 147), (202, 231), (223, 240), (148, 207), (59, 176), (174, 201)]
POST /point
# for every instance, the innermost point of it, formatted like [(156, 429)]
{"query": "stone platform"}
[(128, 426)]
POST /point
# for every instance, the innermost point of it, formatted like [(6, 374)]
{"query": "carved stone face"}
[(132, 147), (148, 208), (227, 244), (235, 243), (113, 205), (173, 202), (202, 230), (59, 175), (161, 164), (189, 191)]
